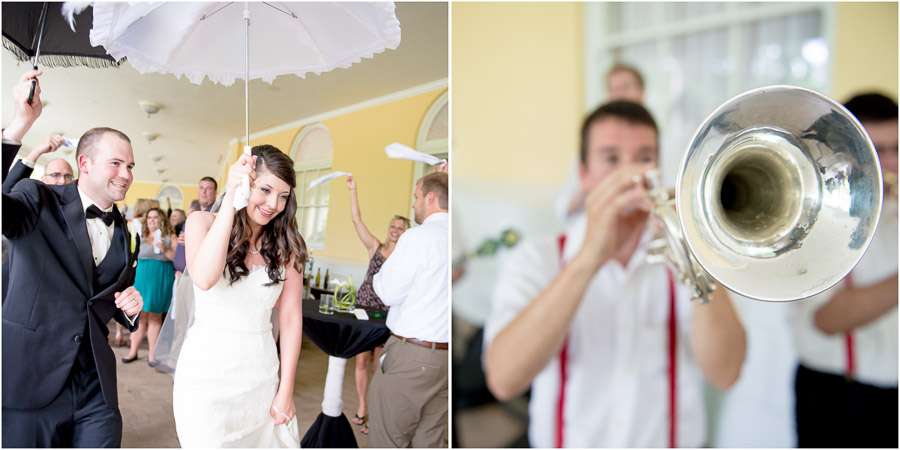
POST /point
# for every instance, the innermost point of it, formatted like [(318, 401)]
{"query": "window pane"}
[(788, 50), (322, 193)]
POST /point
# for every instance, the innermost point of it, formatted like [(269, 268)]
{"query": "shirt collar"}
[(436, 216), (86, 201)]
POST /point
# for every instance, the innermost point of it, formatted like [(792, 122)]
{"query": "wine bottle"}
[(326, 279), (318, 272)]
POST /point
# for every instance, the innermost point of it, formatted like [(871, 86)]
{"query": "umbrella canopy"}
[(60, 46), (200, 40)]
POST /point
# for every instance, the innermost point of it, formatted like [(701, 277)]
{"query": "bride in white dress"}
[(227, 390)]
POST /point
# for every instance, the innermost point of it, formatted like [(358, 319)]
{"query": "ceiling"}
[(197, 122)]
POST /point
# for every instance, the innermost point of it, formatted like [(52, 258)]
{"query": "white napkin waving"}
[(325, 178), (70, 142), (157, 237), (400, 151)]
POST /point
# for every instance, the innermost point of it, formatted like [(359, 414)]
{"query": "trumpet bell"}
[(779, 193)]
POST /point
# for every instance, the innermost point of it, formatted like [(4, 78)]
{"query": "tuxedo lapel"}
[(73, 211)]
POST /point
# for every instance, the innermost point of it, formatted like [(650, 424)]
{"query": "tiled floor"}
[(145, 397)]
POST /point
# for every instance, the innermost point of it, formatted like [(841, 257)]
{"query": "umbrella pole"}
[(242, 195), (37, 52), (247, 77)]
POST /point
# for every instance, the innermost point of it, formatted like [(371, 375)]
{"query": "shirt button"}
[(90, 303), (77, 338)]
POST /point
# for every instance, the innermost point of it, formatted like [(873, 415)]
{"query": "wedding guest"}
[(596, 332), (71, 272), (136, 226), (154, 278), (846, 381), (206, 193), (366, 296), (623, 82), (56, 172), (194, 206), (408, 405), (177, 218)]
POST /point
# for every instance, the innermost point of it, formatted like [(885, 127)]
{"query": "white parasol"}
[(248, 40)]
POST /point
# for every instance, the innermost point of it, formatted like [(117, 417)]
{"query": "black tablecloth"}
[(342, 334)]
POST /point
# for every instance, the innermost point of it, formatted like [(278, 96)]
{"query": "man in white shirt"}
[(846, 337), (611, 347), (408, 396)]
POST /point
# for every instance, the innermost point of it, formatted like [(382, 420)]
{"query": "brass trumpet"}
[(777, 199)]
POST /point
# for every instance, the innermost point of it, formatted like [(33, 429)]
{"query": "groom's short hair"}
[(89, 140)]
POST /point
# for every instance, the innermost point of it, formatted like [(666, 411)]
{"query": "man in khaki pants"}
[(408, 396)]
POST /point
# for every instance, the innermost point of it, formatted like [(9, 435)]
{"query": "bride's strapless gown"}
[(227, 373)]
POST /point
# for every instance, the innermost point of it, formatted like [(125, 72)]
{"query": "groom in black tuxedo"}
[(72, 265)]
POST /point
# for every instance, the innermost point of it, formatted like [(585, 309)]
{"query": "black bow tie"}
[(93, 212)]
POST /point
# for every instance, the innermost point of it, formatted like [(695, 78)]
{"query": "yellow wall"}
[(517, 90), (149, 190), (865, 50), (384, 184)]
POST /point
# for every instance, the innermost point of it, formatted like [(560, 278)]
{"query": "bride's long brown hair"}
[(280, 239)]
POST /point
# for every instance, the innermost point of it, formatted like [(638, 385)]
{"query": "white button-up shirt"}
[(875, 346), (415, 282), (100, 234), (616, 391)]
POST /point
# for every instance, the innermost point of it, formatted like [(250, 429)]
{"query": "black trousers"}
[(834, 412), (77, 417)]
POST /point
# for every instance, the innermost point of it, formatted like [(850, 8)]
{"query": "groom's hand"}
[(129, 301)]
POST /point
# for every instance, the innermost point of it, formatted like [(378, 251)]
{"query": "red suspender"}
[(673, 365), (673, 396), (849, 341), (560, 421)]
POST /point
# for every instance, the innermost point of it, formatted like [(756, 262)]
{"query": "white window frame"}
[(434, 147), (301, 193), (600, 44)]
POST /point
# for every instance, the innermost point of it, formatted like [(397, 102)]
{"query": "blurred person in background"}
[(154, 278), (623, 82), (846, 382)]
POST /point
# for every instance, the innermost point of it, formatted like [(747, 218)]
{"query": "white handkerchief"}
[(360, 314), (157, 237), (400, 151), (325, 178), (70, 142)]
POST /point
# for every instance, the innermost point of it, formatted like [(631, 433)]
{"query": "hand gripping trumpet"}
[(777, 198)]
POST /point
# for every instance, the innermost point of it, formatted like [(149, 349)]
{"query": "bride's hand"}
[(285, 404), (243, 166)]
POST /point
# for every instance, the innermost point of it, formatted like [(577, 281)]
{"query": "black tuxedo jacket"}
[(51, 304)]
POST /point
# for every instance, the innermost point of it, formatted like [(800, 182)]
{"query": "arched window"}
[(173, 193), (432, 137), (312, 152)]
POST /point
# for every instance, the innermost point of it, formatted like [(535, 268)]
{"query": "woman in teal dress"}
[(153, 278)]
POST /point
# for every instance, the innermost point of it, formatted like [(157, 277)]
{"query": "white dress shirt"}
[(616, 392), (415, 282), (99, 232), (875, 346)]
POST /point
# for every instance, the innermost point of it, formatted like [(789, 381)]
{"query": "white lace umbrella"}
[(248, 40)]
